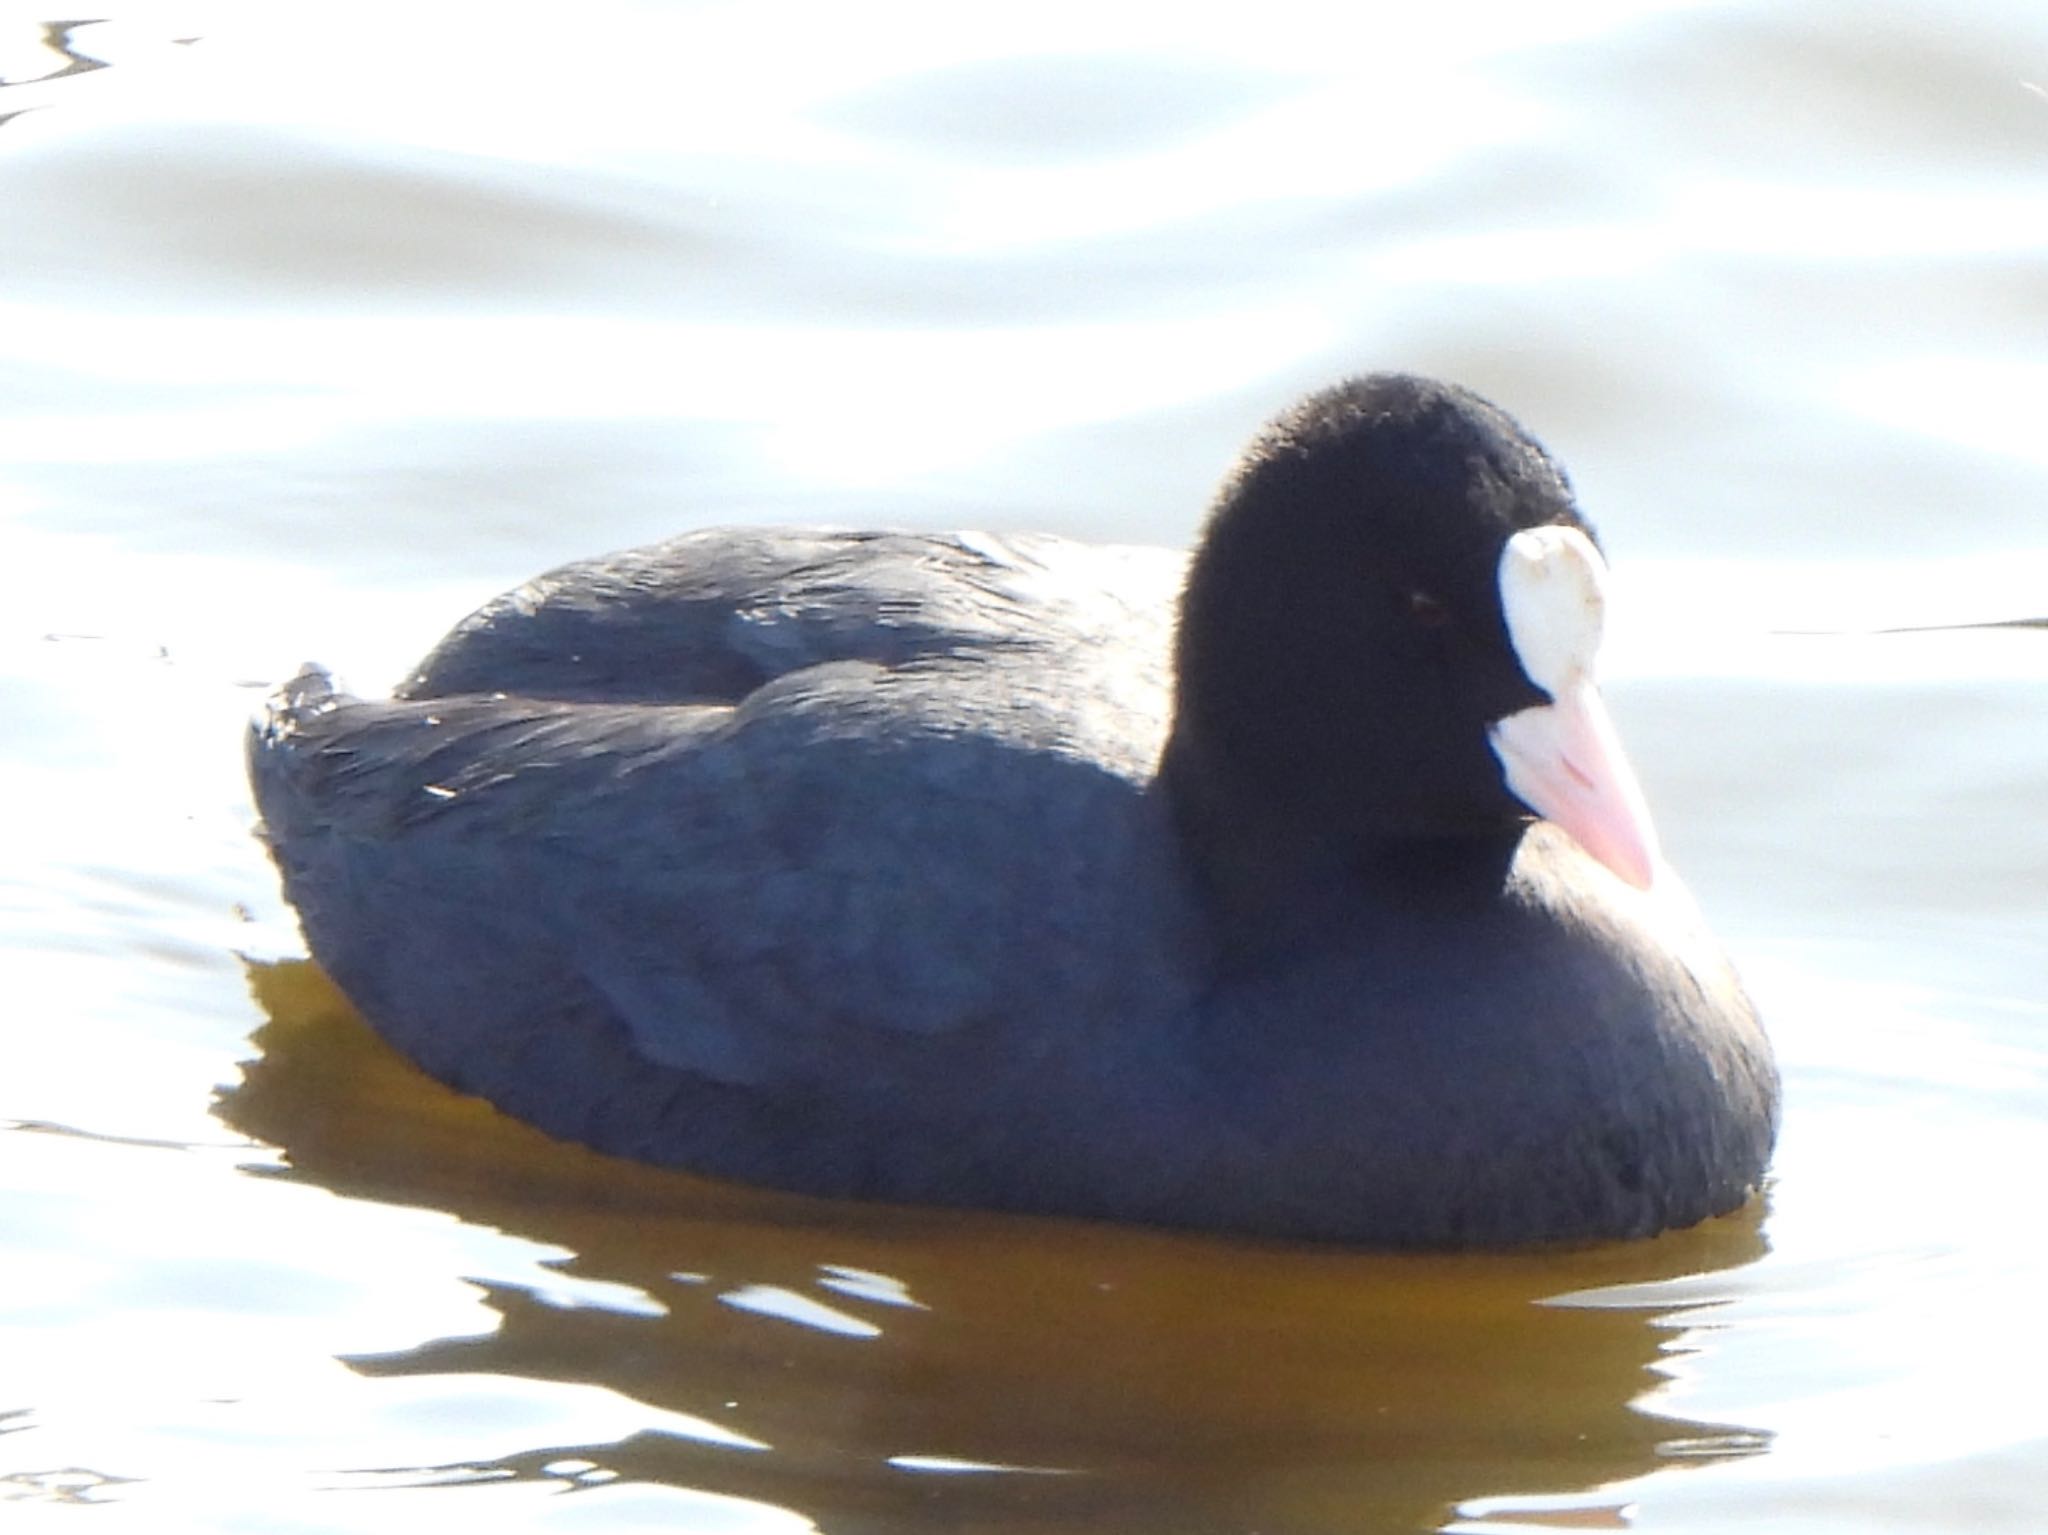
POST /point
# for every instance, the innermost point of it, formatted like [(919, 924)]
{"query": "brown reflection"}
[(1181, 1383), (58, 37)]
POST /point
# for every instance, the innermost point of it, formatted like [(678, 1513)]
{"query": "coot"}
[(1300, 888)]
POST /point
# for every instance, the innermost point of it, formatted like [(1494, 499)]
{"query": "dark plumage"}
[(904, 867)]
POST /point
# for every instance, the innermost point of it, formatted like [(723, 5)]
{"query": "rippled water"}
[(318, 327)]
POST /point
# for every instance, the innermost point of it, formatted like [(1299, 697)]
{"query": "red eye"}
[(1428, 611)]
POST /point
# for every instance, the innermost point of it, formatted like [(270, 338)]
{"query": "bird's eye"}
[(1428, 611)]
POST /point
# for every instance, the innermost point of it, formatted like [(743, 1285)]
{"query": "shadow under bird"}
[(1297, 887)]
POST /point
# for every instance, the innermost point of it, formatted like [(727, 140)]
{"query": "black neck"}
[(1273, 882)]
